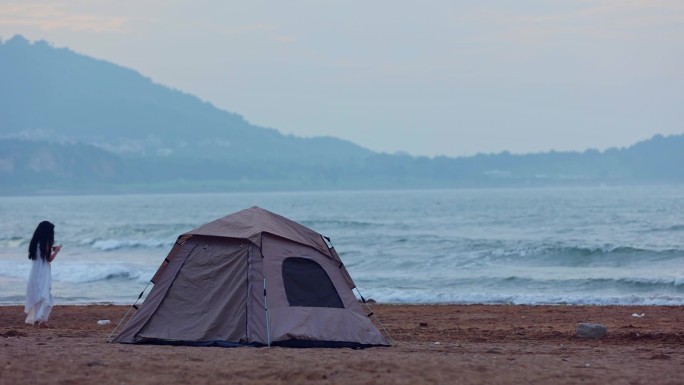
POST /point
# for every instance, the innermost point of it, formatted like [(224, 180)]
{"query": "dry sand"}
[(441, 344)]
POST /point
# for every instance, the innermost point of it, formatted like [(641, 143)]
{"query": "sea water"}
[(602, 245)]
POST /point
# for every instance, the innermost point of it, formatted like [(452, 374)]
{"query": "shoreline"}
[(435, 344), (389, 304)]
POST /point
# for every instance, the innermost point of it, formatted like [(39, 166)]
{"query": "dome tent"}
[(252, 278)]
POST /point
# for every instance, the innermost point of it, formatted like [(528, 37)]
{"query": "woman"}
[(42, 252)]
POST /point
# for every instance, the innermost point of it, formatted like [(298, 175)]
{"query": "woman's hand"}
[(55, 250)]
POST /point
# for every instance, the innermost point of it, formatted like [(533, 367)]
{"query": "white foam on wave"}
[(13, 269), (83, 272), (13, 242), (399, 296), (116, 244), (674, 281)]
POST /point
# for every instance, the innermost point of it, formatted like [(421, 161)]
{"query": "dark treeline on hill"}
[(73, 124)]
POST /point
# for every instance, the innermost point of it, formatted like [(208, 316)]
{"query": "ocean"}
[(600, 245)]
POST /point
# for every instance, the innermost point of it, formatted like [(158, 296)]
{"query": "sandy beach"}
[(435, 344)]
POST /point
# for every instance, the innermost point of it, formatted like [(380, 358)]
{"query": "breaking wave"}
[(91, 272), (116, 244), (402, 296), (81, 272)]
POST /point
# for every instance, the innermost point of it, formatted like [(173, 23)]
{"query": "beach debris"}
[(13, 333), (96, 363), (103, 322), (437, 343), (591, 330), (660, 356), (638, 315), (423, 324)]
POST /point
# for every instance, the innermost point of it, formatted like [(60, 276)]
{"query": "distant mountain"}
[(73, 124), (57, 94)]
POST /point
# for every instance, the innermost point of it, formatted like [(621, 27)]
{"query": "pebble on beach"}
[(591, 330)]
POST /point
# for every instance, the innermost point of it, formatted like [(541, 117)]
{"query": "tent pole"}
[(126, 315), (268, 332)]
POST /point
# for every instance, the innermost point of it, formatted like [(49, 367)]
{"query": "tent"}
[(252, 278)]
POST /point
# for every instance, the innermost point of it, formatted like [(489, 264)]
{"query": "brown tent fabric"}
[(252, 278), (249, 224)]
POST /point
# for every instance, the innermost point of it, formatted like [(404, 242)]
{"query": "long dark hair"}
[(43, 239)]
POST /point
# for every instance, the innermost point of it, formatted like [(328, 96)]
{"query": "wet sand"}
[(435, 344)]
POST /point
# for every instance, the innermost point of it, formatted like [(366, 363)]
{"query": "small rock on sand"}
[(591, 330)]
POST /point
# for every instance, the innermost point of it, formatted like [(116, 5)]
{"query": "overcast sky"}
[(428, 78)]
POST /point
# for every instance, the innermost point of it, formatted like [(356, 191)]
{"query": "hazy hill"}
[(70, 123), (57, 94)]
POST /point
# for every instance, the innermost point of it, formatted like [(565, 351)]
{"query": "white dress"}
[(38, 292)]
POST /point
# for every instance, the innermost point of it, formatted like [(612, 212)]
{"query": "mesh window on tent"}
[(307, 284)]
